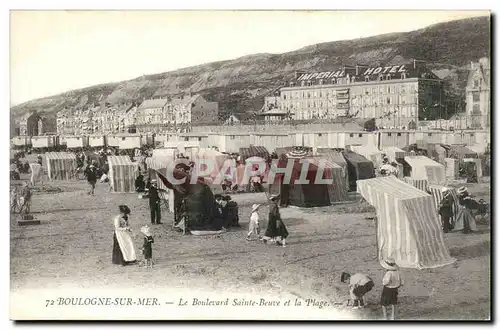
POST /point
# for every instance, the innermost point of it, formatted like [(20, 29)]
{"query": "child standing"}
[(253, 227), (147, 248), (391, 282)]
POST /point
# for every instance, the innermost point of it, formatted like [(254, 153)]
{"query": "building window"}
[(389, 134), (351, 135), (320, 135), (320, 94), (186, 139), (123, 138), (360, 135), (476, 109), (475, 97), (399, 134), (315, 94), (430, 134), (388, 100), (476, 83), (284, 96), (471, 134), (389, 89), (308, 95), (232, 137)]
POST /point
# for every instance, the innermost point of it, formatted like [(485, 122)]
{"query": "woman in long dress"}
[(123, 246), (276, 230), (464, 220)]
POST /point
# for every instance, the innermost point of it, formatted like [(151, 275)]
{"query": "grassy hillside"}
[(239, 85)]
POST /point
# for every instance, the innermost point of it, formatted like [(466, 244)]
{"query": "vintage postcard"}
[(250, 165)]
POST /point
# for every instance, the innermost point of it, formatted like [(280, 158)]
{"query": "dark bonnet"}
[(124, 209)]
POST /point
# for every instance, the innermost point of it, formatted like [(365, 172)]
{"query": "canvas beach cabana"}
[(423, 167), (122, 174), (312, 194), (408, 228), (359, 168), (336, 158), (61, 165)]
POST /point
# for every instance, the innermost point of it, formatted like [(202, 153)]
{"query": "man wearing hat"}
[(155, 202), (91, 174), (446, 209)]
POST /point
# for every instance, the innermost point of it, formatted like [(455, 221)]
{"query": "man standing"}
[(91, 174), (155, 202), (446, 209)]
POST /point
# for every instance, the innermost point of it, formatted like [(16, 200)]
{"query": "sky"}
[(56, 51)]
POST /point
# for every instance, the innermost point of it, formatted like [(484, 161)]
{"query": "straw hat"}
[(462, 191), (255, 207), (273, 197), (146, 230), (389, 264)]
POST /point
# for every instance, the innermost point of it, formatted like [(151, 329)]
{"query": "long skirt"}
[(465, 221), (118, 257), (276, 228)]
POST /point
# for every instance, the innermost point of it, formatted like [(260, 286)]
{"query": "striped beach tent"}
[(338, 190), (423, 167), (408, 227), (336, 158), (122, 173), (61, 165), (421, 184)]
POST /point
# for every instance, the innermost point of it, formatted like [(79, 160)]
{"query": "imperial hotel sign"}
[(342, 73), (395, 95)]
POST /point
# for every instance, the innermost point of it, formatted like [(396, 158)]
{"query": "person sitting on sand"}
[(359, 286)]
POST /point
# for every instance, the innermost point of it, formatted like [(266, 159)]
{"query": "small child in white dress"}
[(253, 227)]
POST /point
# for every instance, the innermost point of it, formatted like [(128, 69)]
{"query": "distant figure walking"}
[(276, 229), (91, 175)]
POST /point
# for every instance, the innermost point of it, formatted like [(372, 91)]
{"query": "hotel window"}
[(320, 94), (389, 134), (373, 90), (314, 104), (303, 94), (399, 134), (321, 104), (471, 134), (430, 134), (308, 95), (389, 89), (360, 135), (351, 135), (232, 137), (199, 139), (284, 96), (388, 100), (367, 91), (475, 97), (315, 94)]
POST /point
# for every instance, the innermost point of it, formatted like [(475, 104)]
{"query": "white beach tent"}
[(394, 153), (369, 152), (408, 227), (425, 168)]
